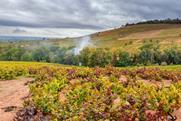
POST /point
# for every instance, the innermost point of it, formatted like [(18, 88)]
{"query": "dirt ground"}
[(12, 95), (178, 114)]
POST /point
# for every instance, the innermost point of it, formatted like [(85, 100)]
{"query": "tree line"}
[(149, 53), (156, 21)]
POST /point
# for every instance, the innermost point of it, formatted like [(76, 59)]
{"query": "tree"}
[(11, 53), (27, 56), (101, 57), (41, 54), (172, 55), (85, 56), (123, 59), (149, 53)]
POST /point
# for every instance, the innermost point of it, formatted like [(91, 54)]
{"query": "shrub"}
[(164, 64)]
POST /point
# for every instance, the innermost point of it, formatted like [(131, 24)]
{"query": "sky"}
[(72, 18)]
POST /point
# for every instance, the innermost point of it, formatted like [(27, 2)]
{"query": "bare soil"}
[(178, 114), (12, 95)]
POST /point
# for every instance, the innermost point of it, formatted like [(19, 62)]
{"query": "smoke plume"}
[(81, 44)]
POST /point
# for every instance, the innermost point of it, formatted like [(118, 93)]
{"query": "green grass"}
[(169, 67), (25, 62)]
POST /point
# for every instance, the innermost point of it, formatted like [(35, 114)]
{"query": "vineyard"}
[(11, 70), (111, 94)]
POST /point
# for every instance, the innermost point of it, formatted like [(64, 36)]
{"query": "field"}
[(170, 67), (81, 93)]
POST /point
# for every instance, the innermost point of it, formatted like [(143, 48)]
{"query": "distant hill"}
[(19, 38), (131, 37)]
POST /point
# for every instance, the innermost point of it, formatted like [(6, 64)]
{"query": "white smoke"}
[(81, 44)]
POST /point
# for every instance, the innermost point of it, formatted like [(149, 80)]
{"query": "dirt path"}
[(12, 94)]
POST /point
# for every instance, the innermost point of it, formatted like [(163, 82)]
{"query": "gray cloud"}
[(84, 14), (18, 30)]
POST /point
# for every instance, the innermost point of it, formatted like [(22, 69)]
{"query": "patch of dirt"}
[(177, 113), (12, 95), (165, 83), (143, 35)]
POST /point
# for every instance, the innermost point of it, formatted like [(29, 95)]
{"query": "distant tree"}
[(149, 53), (59, 55), (27, 56), (122, 59), (68, 58), (41, 54), (165, 21), (19, 51), (101, 57), (172, 55), (85, 56), (11, 53)]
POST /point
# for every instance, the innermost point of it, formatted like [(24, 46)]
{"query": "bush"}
[(164, 64), (123, 59)]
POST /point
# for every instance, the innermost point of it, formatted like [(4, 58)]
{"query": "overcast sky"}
[(61, 18)]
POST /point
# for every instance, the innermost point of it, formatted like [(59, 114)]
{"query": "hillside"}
[(128, 38), (132, 36)]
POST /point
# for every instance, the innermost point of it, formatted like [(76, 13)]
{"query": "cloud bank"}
[(62, 17)]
